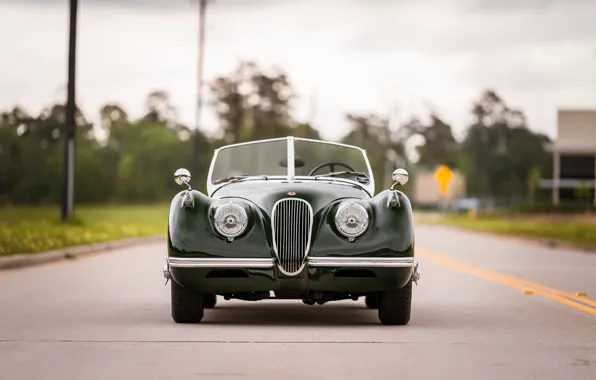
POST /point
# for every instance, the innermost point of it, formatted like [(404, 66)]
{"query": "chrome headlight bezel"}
[(234, 213), (362, 218)]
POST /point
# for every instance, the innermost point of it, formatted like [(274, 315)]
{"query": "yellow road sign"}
[(444, 176)]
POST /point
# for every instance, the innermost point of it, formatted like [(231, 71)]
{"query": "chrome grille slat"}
[(292, 220)]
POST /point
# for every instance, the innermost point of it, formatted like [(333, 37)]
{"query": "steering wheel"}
[(331, 165)]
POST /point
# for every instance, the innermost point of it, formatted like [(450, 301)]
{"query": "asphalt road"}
[(107, 316)]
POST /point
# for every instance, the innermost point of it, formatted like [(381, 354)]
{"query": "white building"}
[(574, 155)]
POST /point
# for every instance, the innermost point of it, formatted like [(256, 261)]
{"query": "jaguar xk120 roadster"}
[(291, 218)]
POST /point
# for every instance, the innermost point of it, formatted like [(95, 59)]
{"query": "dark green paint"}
[(191, 234)]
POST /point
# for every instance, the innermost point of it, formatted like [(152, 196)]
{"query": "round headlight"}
[(230, 220), (351, 219)]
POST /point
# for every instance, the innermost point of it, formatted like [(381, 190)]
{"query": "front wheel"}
[(395, 306), (187, 307)]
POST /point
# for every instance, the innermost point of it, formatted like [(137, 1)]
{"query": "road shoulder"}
[(542, 242), (33, 259), (562, 232)]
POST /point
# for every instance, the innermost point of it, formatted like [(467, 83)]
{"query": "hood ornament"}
[(291, 193)]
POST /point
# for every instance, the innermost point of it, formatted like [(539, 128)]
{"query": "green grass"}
[(428, 217), (578, 229), (38, 229)]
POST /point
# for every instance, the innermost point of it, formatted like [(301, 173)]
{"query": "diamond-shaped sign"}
[(444, 176)]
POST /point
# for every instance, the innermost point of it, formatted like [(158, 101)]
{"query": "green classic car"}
[(291, 218)]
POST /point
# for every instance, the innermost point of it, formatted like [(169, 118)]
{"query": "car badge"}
[(291, 193)]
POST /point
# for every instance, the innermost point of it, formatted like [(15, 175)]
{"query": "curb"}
[(33, 259)]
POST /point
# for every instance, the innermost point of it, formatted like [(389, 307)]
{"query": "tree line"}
[(134, 161)]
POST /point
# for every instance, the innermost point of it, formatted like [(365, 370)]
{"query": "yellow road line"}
[(552, 294)]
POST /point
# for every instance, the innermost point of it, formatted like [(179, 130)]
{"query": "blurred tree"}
[(133, 160), (439, 147), (160, 109), (112, 116), (504, 151), (534, 178), (305, 131), (33, 154), (372, 133), (252, 103), (134, 163)]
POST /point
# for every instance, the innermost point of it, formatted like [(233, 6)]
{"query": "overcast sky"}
[(358, 56)]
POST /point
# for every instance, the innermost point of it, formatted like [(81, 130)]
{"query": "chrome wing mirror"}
[(400, 177), (182, 177)]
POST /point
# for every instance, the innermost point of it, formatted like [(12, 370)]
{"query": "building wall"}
[(582, 169), (575, 157), (576, 131)]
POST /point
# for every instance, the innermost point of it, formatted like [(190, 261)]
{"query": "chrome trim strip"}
[(291, 273), (370, 262), (251, 142), (371, 186), (224, 262), (273, 234), (330, 143), (365, 262), (211, 188), (290, 158), (295, 138)]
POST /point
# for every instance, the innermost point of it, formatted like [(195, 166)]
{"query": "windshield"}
[(254, 159), (269, 158), (320, 158)]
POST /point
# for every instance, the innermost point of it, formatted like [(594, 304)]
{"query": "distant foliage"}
[(135, 161), (500, 157)]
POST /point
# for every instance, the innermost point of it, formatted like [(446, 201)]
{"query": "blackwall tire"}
[(395, 306), (187, 307)]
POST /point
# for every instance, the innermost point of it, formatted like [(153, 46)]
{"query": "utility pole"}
[(200, 65), (70, 127), (201, 61)]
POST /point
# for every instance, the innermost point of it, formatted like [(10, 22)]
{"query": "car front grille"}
[(292, 221)]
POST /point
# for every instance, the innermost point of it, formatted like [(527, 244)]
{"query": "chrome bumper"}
[(202, 262), (266, 263), (362, 262)]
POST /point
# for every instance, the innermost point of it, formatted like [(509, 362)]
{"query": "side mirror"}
[(400, 177), (182, 177)]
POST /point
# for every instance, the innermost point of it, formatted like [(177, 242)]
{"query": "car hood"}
[(265, 193)]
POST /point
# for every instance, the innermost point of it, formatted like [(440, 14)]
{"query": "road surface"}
[(88, 319)]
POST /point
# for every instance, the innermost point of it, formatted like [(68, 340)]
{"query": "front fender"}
[(191, 232), (396, 221), (390, 231)]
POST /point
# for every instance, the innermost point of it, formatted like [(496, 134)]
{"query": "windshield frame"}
[(290, 173)]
